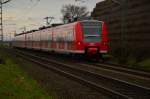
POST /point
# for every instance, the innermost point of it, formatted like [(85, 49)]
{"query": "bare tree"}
[(70, 12)]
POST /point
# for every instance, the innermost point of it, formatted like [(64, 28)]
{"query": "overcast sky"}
[(31, 13)]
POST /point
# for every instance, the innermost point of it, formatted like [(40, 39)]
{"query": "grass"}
[(16, 84), (131, 62), (145, 64)]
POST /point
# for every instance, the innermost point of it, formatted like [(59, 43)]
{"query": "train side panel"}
[(104, 41), (64, 38), (78, 37)]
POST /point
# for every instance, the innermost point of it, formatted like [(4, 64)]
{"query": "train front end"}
[(92, 37)]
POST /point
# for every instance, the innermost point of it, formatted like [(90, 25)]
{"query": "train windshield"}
[(91, 31)]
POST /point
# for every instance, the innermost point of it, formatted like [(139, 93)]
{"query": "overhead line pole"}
[(1, 18), (48, 21)]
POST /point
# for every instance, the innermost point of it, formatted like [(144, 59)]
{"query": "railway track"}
[(129, 73), (115, 88), (115, 67), (125, 70)]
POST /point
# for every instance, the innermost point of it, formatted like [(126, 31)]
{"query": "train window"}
[(91, 31)]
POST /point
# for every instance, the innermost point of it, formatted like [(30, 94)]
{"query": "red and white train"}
[(81, 37)]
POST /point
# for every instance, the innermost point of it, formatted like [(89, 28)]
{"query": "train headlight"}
[(79, 43), (105, 43)]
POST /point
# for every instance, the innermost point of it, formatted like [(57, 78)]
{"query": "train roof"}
[(26, 32), (55, 25), (40, 28)]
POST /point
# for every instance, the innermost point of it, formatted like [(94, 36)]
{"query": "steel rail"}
[(125, 70), (89, 72), (110, 92), (94, 74), (118, 68)]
